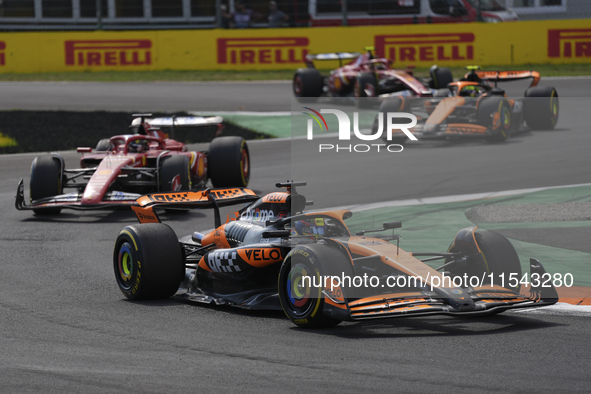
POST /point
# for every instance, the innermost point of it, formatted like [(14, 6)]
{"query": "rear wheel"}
[(175, 174), (307, 82), (495, 113), (541, 108), (229, 162), (148, 261), (46, 181)]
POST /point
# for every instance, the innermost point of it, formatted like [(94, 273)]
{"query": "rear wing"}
[(340, 56), (181, 121), (144, 120), (507, 76), (209, 198)]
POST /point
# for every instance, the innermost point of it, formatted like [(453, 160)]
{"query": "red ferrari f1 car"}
[(273, 255), (124, 167), (475, 107), (365, 76)]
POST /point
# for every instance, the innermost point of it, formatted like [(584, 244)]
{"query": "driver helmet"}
[(470, 91), (312, 227), (138, 146)]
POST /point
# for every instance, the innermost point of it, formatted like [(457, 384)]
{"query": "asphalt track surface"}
[(189, 96), (65, 327)]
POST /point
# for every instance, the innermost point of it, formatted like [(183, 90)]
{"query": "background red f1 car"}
[(275, 256), (477, 108), (126, 166), (364, 76)]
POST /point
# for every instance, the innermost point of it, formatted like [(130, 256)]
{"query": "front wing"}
[(483, 300), (110, 200)]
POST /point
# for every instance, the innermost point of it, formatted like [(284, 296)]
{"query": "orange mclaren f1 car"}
[(273, 255), (474, 106)]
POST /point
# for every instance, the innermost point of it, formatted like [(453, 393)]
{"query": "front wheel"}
[(229, 162), (148, 261), (46, 181), (495, 114), (440, 77), (175, 175), (497, 259), (300, 284)]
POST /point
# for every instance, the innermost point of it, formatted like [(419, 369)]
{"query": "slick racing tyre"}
[(495, 114), (302, 300), (229, 162), (307, 82), (103, 145), (440, 77), (148, 261), (498, 257), (395, 104), (365, 90), (46, 181), (175, 174), (541, 108)]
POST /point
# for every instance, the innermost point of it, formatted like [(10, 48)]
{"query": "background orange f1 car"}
[(273, 255), (475, 107)]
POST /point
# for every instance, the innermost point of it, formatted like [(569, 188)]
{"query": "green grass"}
[(547, 70)]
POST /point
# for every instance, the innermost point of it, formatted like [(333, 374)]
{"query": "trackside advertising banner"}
[(511, 43)]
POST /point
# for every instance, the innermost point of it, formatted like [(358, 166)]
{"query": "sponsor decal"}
[(257, 215), (143, 217), (569, 43), (259, 255), (276, 197), (118, 196), (228, 193), (425, 47), (108, 53), (222, 262), (169, 197), (262, 50), (175, 184), (2, 54)]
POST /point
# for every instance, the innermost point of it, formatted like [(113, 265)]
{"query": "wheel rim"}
[(506, 118), (126, 266), (245, 163), (300, 298), (554, 108), (297, 86)]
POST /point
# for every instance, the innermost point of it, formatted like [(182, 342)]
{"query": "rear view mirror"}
[(392, 225)]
